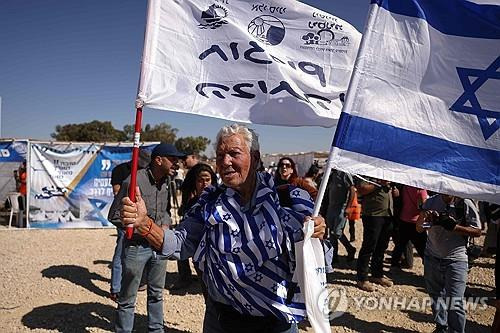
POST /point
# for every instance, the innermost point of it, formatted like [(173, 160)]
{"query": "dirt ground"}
[(58, 281)]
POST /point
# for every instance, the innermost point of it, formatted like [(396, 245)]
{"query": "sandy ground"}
[(58, 281)]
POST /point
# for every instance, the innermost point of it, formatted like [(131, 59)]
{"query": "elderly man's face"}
[(234, 162)]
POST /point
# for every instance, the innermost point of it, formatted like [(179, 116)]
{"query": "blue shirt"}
[(246, 252)]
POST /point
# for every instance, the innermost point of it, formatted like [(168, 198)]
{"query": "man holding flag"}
[(239, 60), (241, 237)]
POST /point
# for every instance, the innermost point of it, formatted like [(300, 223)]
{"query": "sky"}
[(67, 62)]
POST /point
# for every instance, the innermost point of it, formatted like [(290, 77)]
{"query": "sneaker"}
[(365, 286), (383, 281)]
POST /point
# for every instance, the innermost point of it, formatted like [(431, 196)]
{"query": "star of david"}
[(235, 233), (258, 277), (249, 307), (262, 225), (231, 287), (296, 193), (269, 244), (236, 250), (469, 95), (286, 218), (226, 217), (274, 288), (249, 267), (202, 244)]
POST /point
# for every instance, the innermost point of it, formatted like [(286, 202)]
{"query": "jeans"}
[(336, 233), (408, 232), (337, 223), (116, 264), (136, 259), (445, 281), (376, 235)]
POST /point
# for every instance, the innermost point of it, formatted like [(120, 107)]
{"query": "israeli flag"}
[(423, 105)]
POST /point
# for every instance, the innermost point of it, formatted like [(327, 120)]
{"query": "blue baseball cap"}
[(166, 149)]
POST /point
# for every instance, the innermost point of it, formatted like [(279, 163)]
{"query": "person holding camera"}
[(449, 222)]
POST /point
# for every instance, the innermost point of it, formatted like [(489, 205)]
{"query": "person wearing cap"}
[(118, 175), (191, 158), (138, 255), (241, 235)]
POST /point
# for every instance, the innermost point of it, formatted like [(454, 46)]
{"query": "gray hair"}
[(251, 138)]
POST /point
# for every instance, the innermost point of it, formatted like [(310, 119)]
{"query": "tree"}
[(192, 144), (94, 131), (162, 132)]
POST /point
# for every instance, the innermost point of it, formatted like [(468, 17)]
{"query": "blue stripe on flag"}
[(451, 17), (376, 139)]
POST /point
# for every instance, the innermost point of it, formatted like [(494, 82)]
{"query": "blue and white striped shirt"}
[(246, 252)]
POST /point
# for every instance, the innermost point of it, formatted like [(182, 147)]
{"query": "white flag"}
[(423, 106), (276, 62)]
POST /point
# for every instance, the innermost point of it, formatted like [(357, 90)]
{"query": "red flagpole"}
[(135, 161)]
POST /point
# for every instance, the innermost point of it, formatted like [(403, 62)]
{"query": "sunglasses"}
[(285, 165)]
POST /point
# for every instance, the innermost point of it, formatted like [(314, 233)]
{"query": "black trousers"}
[(231, 321), (376, 235), (335, 244), (184, 269), (408, 232)]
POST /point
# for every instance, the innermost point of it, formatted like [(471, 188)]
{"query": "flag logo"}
[(213, 17), (267, 29), (488, 120)]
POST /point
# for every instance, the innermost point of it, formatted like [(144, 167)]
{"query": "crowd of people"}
[(239, 224)]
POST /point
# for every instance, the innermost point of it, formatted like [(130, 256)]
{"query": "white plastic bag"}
[(310, 275)]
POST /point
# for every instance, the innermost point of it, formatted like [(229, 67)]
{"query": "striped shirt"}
[(246, 252)]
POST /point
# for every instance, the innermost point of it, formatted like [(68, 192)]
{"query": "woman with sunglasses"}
[(287, 174)]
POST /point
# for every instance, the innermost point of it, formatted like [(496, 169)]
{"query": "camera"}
[(474, 251)]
